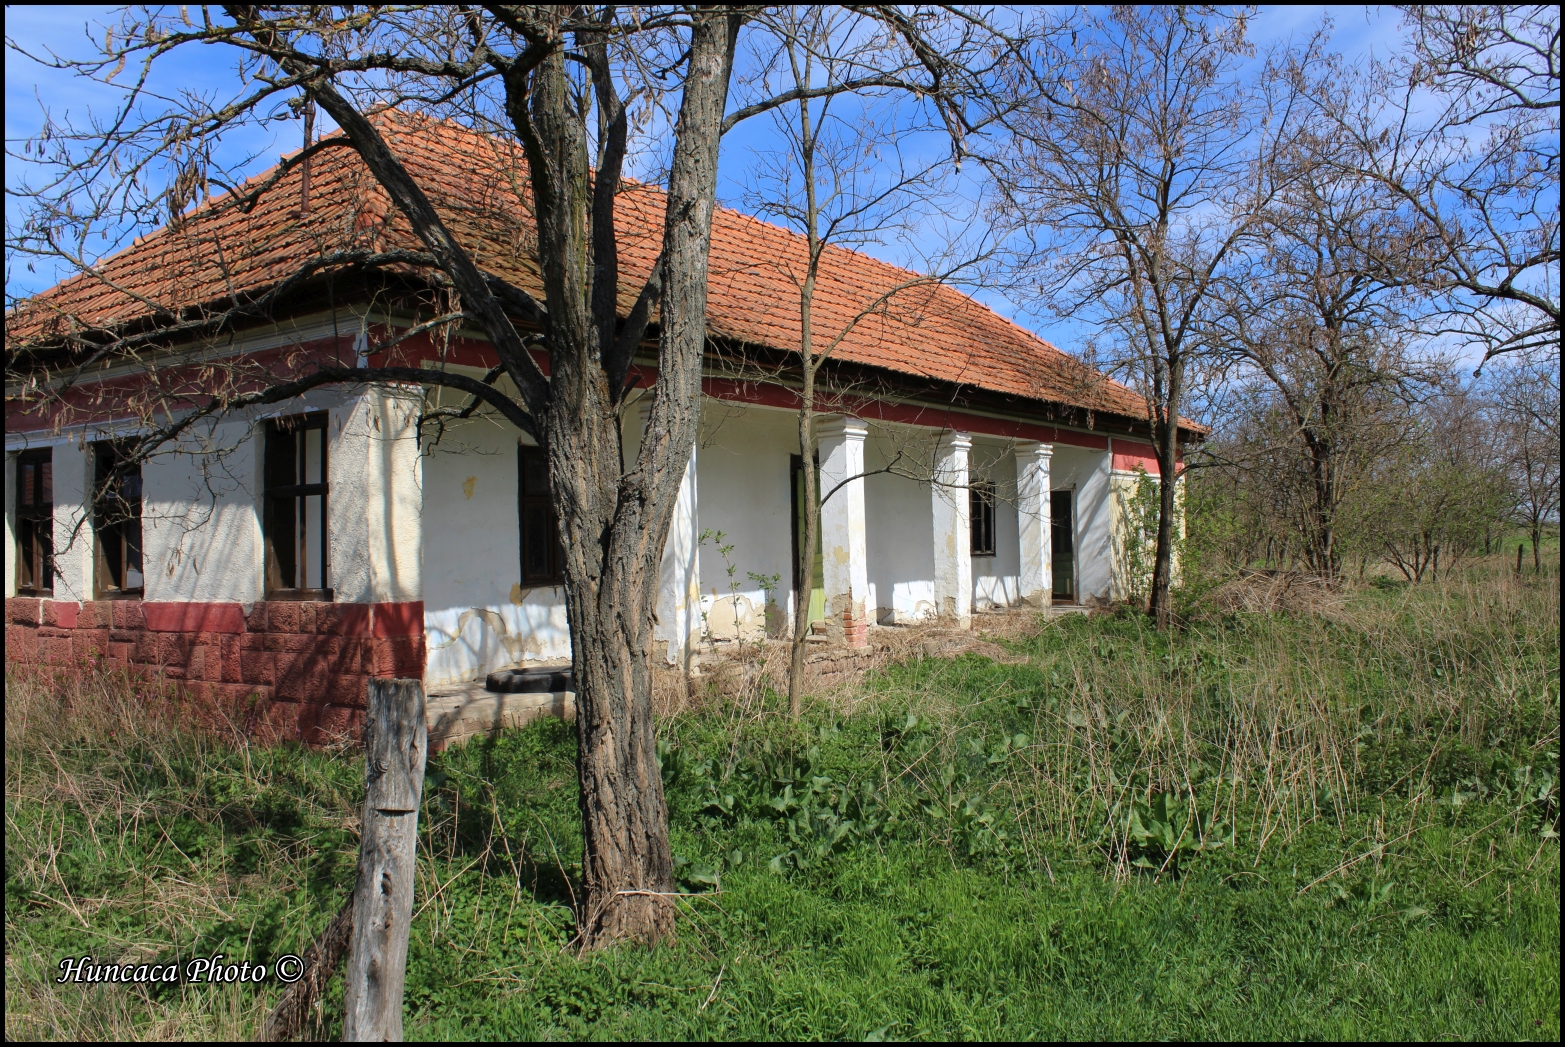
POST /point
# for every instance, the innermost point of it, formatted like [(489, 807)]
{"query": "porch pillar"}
[(952, 531), (74, 552), (844, 553), (678, 625), (1035, 530)]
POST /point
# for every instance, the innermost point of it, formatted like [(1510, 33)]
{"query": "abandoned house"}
[(287, 553)]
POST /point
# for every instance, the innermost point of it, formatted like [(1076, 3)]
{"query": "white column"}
[(952, 531), (376, 503), (73, 544), (844, 553), (678, 625), (1035, 530), (10, 523)]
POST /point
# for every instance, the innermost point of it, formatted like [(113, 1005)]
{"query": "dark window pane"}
[(535, 475), (46, 482), (535, 540), (27, 481), (296, 495), (981, 518), (280, 469)]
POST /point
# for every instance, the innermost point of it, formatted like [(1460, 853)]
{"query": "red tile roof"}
[(220, 253)]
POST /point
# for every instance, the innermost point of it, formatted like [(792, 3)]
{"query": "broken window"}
[(981, 517), (117, 522), (35, 522), (543, 561), (295, 514)]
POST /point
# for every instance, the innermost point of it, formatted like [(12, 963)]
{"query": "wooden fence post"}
[(395, 745)]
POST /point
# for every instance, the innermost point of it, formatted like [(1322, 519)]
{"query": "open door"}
[(817, 576), (1062, 518)]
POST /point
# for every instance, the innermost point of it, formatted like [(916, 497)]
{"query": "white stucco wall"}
[(742, 459), (477, 616), (10, 523), (897, 508), (201, 506), (200, 516)]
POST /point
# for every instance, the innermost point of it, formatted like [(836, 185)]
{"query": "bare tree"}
[(567, 95), (841, 179), (1140, 167), (1525, 395), (1326, 337), (1436, 497), (1459, 135), (551, 73)]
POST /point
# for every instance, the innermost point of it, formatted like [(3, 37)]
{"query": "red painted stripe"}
[(1128, 454), (399, 619), (767, 395)]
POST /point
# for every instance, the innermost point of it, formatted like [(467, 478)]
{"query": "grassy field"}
[(1334, 823)]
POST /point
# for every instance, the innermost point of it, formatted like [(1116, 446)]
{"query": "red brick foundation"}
[(855, 632), (300, 669)]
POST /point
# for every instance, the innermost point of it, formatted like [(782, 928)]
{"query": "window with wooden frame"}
[(295, 509), (543, 561), (117, 522), (35, 523), (980, 501)]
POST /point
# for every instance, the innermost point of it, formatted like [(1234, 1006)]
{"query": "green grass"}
[(1326, 826)]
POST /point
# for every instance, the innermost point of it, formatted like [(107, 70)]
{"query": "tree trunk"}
[(1167, 436), (292, 1012), (614, 527), (395, 737), (810, 497), (806, 565)]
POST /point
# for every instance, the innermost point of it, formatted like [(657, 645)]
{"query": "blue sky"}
[(71, 31)]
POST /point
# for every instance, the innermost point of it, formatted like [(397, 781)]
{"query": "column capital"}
[(1032, 448), (955, 441), (841, 426)]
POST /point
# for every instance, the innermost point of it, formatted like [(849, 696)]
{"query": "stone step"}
[(457, 715)]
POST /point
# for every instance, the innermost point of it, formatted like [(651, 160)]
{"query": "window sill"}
[(35, 594), (553, 583), (301, 595), (121, 594)]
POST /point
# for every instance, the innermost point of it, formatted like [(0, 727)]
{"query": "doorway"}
[(1062, 520), (818, 574)]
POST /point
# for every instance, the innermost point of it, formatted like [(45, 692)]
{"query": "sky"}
[(72, 31)]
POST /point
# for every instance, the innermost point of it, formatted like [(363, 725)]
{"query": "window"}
[(35, 522), (542, 559), (981, 517), (117, 522), (295, 508)]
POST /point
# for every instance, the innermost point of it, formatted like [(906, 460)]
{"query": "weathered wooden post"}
[(395, 745)]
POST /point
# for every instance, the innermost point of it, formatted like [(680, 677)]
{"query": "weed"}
[(1264, 825)]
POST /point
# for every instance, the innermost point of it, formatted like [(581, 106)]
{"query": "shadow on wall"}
[(468, 643)]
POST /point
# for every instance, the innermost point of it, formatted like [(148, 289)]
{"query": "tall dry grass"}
[(1268, 722), (106, 776)]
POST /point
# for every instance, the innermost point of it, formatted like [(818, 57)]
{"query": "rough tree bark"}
[(614, 528)]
